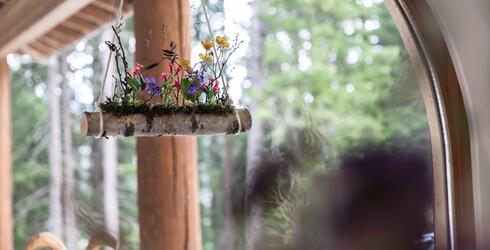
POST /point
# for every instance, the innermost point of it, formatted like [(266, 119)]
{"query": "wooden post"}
[(167, 167), (6, 194)]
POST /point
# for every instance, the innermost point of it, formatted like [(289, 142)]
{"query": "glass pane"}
[(338, 157)]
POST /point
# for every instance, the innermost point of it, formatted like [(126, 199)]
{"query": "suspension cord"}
[(109, 59)]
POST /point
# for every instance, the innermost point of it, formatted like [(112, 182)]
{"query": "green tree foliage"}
[(31, 170), (336, 75)]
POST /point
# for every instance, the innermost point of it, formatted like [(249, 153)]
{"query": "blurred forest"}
[(320, 76)]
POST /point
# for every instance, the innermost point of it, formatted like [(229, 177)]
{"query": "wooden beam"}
[(6, 193), (168, 199), (25, 20)]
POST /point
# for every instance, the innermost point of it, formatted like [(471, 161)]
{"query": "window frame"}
[(454, 217)]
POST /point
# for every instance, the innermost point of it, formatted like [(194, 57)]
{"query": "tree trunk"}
[(55, 160), (70, 229), (229, 231), (168, 199), (6, 193), (253, 223)]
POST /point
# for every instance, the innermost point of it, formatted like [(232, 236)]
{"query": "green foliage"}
[(31, 171)]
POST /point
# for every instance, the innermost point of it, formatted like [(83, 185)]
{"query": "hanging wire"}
[(109, 60)]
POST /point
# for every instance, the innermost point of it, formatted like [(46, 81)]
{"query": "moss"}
[(119, 109)]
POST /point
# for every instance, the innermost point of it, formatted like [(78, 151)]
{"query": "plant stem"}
[(225, 89)]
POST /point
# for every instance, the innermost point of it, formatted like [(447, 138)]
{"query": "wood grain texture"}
[(26, 20), (168, 199), (6, 192), (451, 157)]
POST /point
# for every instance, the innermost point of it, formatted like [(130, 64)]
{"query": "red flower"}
[(216, 87), (170, 67), (178, 70), (177, 84)]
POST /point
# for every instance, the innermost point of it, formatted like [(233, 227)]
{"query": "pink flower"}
[(137, 69), (216, 86), (128, 72), (164, 75), (170, 67)]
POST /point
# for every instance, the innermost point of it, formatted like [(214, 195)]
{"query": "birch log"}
[(172, 124)]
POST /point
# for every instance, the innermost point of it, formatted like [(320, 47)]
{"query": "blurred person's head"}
[(378, 199)]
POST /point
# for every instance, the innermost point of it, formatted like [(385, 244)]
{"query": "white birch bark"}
[(71, 234), (55, 161)]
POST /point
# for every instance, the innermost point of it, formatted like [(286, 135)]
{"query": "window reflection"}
[(324, 79)]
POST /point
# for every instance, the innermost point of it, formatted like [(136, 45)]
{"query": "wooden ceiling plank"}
[(105, 6), (75, 24), (87, 25), (51, 42), (101, 14), (60, 36), (90, 18), (18, 29), (41, 48), (34, 53), (69, 30)]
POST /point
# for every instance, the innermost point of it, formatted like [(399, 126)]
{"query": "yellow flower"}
[(222, 41), (207, 44), (186, 64), (206, 57)]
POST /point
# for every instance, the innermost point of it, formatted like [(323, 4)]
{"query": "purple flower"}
[(152, 86), (192, 90)]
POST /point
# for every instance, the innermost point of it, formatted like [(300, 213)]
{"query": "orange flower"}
[(206, 57), (207, 44), (186, 64), (222, 41)]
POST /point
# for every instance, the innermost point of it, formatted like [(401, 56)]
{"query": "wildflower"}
[(192, 90), (206, 57), (178, 70), (222, 41), (137, 68), (186, 64), (152, 86), (170, 67), (164, 75), (207, 44), (177, 84), (200, 79), (216, 86)]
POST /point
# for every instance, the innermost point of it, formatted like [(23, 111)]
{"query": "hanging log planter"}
[(185, 99), (102, 124)]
